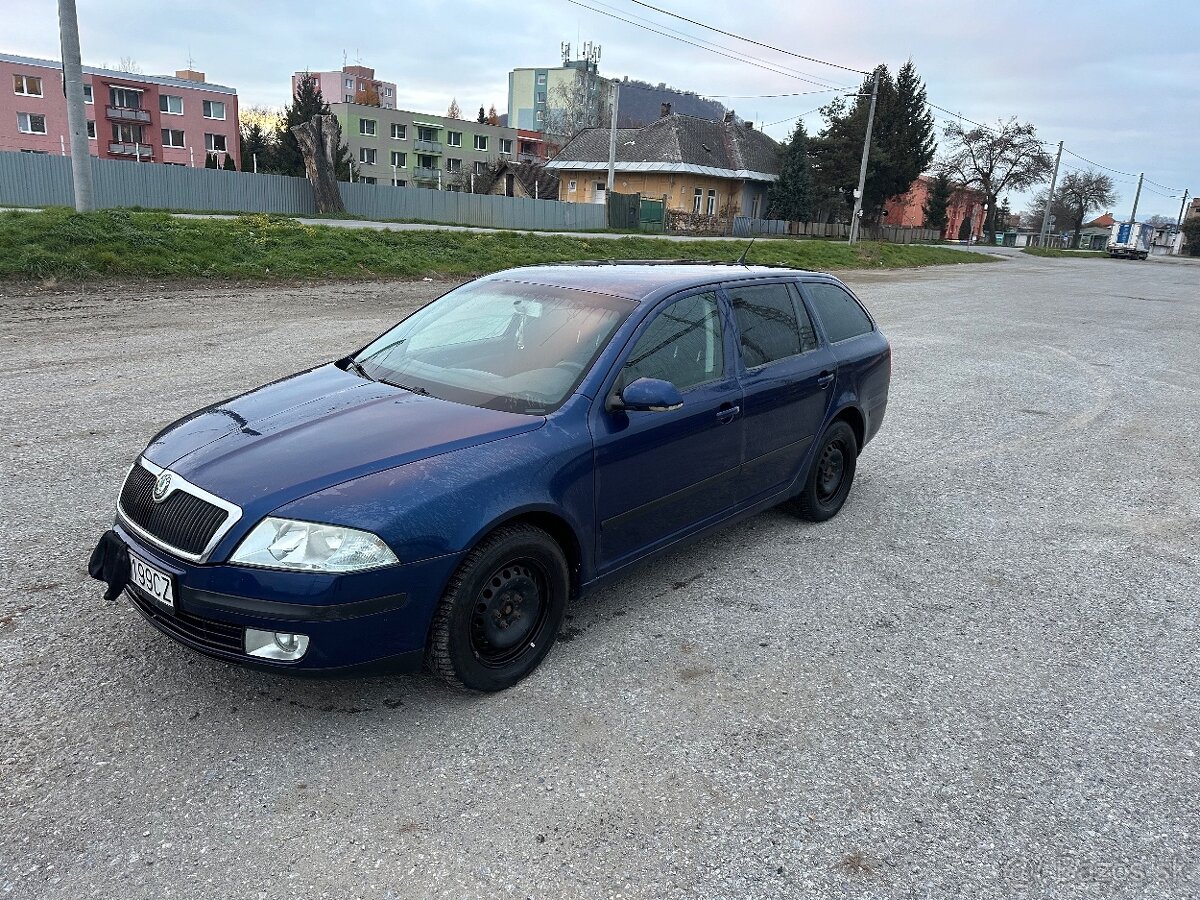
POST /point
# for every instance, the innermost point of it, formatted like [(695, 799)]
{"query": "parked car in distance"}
[(438, 497)]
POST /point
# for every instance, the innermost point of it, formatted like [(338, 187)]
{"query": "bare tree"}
[(453, 112), (574, 106), (1008, 157), (1082, 192), (319, 141), (1160, 221)]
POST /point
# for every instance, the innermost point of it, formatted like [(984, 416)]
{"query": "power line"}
[(792, 118), (739, 37), (743, 58), (1091, 162), (767, 96)]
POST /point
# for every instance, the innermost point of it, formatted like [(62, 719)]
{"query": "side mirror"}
[(647, 395)]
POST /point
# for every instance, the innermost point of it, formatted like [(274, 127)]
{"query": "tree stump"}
[(319, 140)]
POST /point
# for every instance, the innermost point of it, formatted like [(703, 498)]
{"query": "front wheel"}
[(501, 611), (831, 475)]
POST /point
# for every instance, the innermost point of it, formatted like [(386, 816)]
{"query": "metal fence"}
[(34, 179), (744, 226)]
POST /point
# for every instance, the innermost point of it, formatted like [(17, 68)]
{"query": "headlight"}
[(309, 547)]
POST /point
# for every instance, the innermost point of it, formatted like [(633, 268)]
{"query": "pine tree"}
[(937, 202), (453, 112), (210, 161), (230, 165), (790, 196), (482, 116), (255, 145), (306, 103)]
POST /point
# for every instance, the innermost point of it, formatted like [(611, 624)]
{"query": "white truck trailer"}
[(1130, 240)]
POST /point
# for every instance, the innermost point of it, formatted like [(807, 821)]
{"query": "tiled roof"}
[(1104, 221), (677, 142)]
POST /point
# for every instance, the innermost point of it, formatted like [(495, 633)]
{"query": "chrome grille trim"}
[(179, 483)]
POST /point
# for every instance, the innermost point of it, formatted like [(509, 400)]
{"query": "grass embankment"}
[(1072, 254), (63, 244)]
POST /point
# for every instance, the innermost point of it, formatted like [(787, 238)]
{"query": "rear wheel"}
[(831, 476), (501, 611)]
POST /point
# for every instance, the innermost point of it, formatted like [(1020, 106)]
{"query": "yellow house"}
[(697, 165)]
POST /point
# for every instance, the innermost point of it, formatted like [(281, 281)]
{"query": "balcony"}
[(420, 173), (528, 157), (141, 151), (427, 146), (127, 114)]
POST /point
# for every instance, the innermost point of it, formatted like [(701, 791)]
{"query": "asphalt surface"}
[(978, 681)]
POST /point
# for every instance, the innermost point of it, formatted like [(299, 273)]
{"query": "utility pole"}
[(1045, 233), (862, 171), (81, 159), (612, 139), (1137, 196), (1182, 206)]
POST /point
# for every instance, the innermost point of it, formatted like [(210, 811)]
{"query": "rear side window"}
[(683, 345), (839, 312), (768, 325)]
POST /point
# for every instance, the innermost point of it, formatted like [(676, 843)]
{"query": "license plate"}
[(155, 582)]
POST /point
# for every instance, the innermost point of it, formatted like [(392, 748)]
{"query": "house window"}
[(454, 138), (367, 127), (754, 206), (541, 79), (399, 160), (541, 96), (349, 84), (387, 92), (172, 137), (399, 132), (453, 165), (570, 187), (427, 134), (170, 104), (369, 180), (87, 94), (697, 200), (366, 155), (481, 142), (712, 203), (128, 134), (426, 162), (91, 129), (399, 182), (506, 145), (480, 168), (29, 85), (214, 143), (214, 109), (125, 98), (349, 98), (31, 123)]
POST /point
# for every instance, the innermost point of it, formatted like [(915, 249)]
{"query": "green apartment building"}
[(411, 149)]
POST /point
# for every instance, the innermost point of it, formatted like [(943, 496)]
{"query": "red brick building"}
[(909, 209)]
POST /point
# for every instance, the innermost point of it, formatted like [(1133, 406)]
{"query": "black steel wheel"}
[(501, 611), (832, 474)]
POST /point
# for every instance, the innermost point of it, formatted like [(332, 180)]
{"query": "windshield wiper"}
[(357, 367), (415, 389)]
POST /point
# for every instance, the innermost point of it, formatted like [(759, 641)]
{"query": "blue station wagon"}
[(437, 498)]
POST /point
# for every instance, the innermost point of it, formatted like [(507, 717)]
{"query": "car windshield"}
[(497, 344)]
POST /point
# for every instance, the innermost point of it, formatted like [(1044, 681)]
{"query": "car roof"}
[(637, 279)]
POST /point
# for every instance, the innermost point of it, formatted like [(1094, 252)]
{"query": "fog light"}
[(281, 645)]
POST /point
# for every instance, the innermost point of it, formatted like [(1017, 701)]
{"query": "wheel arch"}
[(853, 417), (554, 524)]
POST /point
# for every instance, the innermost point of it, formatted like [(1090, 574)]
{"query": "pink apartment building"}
[(147, 118), (353, 84)]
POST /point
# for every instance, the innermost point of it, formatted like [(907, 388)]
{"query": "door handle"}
[(825, 379), (727, 414)]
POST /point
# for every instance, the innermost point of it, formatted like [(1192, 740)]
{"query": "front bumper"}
[(377, 620)]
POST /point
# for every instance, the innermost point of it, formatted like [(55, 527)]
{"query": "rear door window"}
[(839, 313), (769, 326)]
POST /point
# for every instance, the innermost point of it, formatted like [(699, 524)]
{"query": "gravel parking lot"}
[(979, 680)]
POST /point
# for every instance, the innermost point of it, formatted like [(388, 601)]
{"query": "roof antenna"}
[(741, 260)]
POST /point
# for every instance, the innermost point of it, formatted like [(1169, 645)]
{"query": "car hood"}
[(316, 429)]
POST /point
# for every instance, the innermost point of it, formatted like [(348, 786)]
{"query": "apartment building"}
[(405, 148), (537, 97), (351, 84), (145, 118)]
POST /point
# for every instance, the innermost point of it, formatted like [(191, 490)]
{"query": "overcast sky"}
[(1114, 80)]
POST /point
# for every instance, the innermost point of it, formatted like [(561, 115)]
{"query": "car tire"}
[(501, 611), (830, 476)]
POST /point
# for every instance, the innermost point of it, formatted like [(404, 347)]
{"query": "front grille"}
[(206, 632), (183, 520)]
